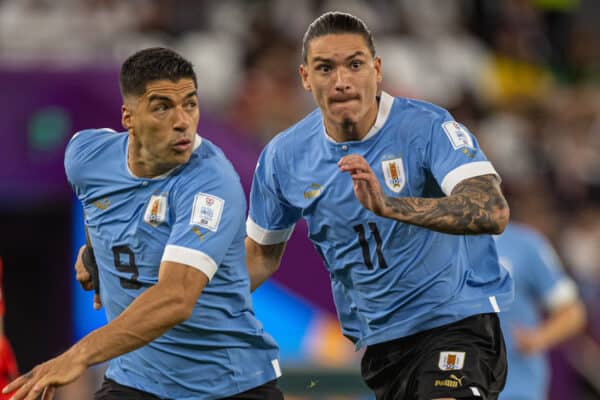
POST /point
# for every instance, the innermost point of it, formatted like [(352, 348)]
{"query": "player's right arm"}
[(271, 220), (161, 307), (262, 261)]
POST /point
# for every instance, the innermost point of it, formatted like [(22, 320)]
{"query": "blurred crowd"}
[(523, 75)]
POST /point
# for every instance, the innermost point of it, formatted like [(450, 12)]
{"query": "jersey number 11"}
[(360, 229)]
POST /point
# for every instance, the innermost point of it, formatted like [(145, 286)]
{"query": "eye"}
[(356, 64), (190, 105), (324, 68), (160, 107)]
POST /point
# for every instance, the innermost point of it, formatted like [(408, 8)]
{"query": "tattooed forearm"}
[(475, 206)]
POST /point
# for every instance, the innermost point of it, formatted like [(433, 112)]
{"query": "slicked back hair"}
[(152, 64), (336, 23)]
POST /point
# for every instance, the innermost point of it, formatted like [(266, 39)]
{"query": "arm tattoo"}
[(475, 206)]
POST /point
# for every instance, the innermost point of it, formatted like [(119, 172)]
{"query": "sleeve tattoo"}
[(475, 206)]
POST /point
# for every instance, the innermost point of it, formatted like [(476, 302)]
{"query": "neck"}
[(143, 164)]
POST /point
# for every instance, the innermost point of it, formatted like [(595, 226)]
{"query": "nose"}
[(181, 119), (342, 83)]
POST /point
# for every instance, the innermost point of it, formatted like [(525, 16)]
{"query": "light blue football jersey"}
[(389, 279), (540, 284), (192, 215)]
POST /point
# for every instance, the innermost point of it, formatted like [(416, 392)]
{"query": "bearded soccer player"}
[(400, 203), (165, 217)]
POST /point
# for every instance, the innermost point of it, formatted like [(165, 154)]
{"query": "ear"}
[(377, 65), (126, 117), (303, 71)]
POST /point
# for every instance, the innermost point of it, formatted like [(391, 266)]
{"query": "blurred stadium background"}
[(523, 75)]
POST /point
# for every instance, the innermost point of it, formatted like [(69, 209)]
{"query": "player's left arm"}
[(562, 323), (549, 284), (475, 206), (161, 307)]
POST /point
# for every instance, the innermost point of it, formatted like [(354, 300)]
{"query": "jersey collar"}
[(383, 112)]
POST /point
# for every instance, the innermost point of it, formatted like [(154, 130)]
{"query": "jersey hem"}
[(404, 328)]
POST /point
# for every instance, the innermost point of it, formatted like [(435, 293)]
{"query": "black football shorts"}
[(462, 360)]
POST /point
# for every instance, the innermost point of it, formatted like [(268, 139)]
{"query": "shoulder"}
[(209, 168), (420, 111), (524, 238), (418, 121), (88, 136), (89, 146), (524, 233), (305, 130), (90, 140)]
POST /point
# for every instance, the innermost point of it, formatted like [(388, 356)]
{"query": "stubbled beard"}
[(349, 129)]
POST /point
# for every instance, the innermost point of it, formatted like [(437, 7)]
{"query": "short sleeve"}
[(271, 219), (546, 276), (209, 216), (81, 149), (454, 154), (75, 158)]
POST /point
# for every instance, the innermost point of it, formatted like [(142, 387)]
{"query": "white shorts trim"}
[(264, 236), (276, 367), (494, 304), (194, 258), (466, 171)]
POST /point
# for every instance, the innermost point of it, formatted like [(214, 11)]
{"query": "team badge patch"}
[(451, 360), (458, 134), (206, 211), (156, 211), (393, 172)]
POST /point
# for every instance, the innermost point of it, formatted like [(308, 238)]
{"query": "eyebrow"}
[(154, 97), (329, 60)]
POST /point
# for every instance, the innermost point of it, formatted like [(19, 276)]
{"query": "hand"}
[(43, 379), (528, 341), (84, 278), (366, 185)]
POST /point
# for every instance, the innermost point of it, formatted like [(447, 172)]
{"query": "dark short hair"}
[(340, 23), (153, 64)]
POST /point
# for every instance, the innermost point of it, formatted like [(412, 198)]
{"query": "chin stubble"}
[(349, 128)]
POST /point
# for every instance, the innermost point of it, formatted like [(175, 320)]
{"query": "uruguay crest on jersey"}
[(156, 211), (393, 171)]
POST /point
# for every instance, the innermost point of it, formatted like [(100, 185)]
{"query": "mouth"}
[(182, 145), (342, 101)]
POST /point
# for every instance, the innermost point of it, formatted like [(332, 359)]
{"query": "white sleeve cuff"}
[(466, 171), (191, 257), (264, 236), (564, 292)]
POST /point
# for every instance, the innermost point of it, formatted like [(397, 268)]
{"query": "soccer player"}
[(400, 203), (165, 212), (540, 285), (8, 363)]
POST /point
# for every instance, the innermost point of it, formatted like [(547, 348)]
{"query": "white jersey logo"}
[(458, 134), (156, 211), (393, 171), (206, 211), (451, 360)]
